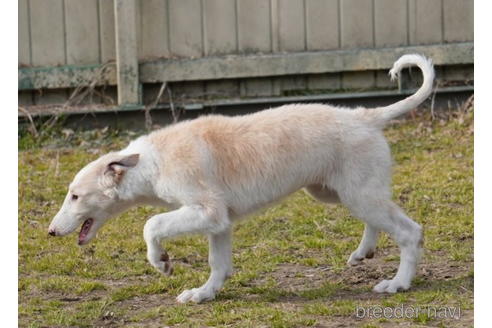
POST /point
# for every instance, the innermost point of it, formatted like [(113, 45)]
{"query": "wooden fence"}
[(277, 45)]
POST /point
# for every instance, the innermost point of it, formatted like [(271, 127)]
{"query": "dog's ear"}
[(119, 166)]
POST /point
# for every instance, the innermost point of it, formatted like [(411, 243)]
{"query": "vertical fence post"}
[(126, 52)]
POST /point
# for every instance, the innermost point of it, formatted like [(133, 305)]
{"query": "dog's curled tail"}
[(384, 114)]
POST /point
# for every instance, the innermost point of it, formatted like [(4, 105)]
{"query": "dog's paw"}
[(196, 295), (162, 264), (354, 260), (390, 286), (356, 257)]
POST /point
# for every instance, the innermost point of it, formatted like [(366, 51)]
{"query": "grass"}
[(289, 260)]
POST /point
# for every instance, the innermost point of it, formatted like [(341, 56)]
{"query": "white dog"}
[(214, 170)]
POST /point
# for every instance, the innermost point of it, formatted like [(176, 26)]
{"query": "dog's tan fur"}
[(216, 169)]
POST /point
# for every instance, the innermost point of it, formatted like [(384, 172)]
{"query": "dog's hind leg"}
[(408, 235), (368, 243), (367, 246), (383, 214)]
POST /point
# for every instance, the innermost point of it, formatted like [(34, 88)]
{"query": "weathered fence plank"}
[(298, 63), (82, 31), (48, 46), (185, 39), (458, 20), (254, 35), (219, 23), (357, 31), (458, 73), (220, 37), (291, 37), (126, 52), (254, 26), (25, 98), (356, 23), (50, 97), (390, 23), (291, 25), (322, 25), (65, 77), (106, 30), (425, 21), (326, 81), (358, 80), (322, 33), (24, 45), (47, 33), (154, 29)]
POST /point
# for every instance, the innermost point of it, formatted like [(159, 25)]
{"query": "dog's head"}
[(92, 197)]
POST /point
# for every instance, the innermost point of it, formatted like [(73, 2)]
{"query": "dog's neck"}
[(137, 186)]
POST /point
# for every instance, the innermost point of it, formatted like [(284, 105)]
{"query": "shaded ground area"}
[(289, 260)]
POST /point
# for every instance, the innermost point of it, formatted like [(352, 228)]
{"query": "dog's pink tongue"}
[(84, 230)]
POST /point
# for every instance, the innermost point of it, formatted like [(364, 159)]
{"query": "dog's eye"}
[(75, 197)]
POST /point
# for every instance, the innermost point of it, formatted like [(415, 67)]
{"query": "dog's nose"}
[(52, 232)]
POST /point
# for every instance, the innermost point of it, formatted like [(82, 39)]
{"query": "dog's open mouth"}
[(84, 230)]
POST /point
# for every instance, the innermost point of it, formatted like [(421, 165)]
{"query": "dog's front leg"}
[(186, 220), (220, 260)]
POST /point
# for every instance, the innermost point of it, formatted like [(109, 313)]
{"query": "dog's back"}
[(259, 158)]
